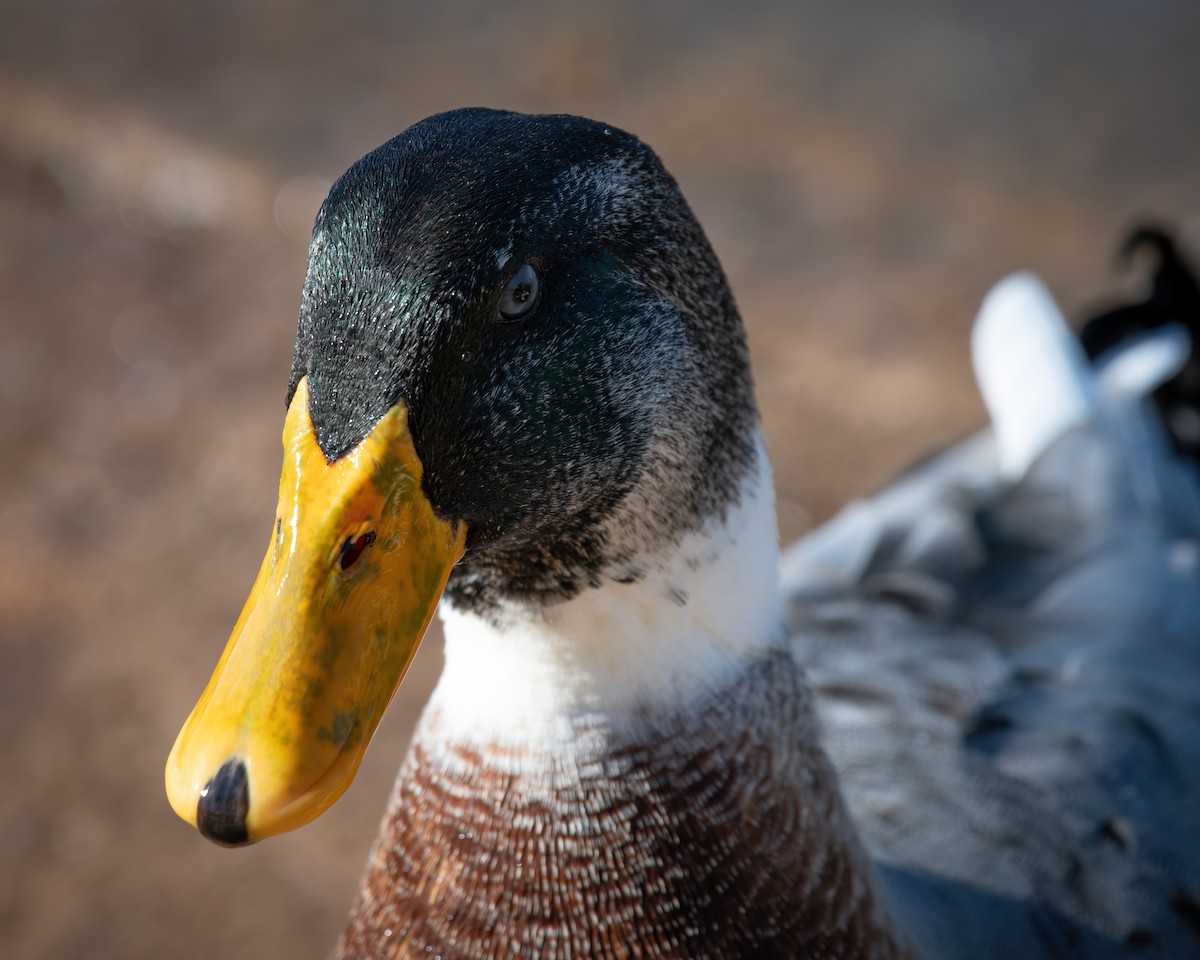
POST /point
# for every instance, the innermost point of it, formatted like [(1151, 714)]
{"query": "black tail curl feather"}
[(1172, 296)]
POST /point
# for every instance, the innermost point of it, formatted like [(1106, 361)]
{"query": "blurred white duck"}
[(965, 722)]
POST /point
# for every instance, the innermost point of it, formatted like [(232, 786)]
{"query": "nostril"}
[(223, 805), (353, 548)]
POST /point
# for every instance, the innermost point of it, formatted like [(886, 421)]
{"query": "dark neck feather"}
[(715, 833)]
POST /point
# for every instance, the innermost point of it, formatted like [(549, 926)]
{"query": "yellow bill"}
[(353, 573)]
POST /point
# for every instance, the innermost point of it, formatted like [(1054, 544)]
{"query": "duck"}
[(960, 719)]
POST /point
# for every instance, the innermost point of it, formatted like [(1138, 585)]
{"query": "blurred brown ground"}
[(864, 173)]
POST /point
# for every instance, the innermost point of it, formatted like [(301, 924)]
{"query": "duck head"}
[(518, 373)]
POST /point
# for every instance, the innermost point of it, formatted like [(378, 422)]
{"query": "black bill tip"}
[(223, 805)]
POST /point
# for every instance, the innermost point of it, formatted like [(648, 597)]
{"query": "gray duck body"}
[(1007, 678)]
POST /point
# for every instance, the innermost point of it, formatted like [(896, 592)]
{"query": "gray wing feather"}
[(1008, 676)]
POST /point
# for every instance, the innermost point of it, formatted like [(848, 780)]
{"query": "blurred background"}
[(865, 171)]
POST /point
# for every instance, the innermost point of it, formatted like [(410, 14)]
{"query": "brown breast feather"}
[(716, 832)]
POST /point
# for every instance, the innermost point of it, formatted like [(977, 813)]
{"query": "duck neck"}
[(636, 772), (698, 612)]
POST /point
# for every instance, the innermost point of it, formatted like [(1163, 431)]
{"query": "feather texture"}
[(1008, 678)]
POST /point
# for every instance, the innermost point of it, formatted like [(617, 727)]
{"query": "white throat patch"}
[(699, 613)]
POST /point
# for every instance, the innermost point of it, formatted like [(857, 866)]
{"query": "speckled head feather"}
[(621, 407)]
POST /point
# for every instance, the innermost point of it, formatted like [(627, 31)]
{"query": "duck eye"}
[(353, 548), (521, 295)]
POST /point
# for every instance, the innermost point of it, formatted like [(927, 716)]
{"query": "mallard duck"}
[(962, 719)]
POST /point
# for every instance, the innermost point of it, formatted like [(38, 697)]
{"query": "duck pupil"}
[(520, 296), (353, 548)]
